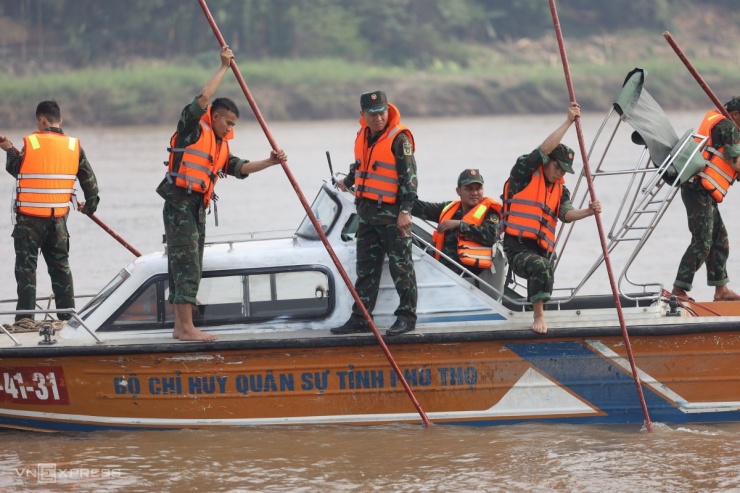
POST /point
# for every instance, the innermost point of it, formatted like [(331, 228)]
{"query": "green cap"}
[(469, 176), (374, 102), (733, 104), (564, 156)]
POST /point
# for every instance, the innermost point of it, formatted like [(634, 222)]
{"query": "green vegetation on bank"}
[(154, 93)]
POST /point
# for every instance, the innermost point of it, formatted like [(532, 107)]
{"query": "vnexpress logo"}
[(46, 473)]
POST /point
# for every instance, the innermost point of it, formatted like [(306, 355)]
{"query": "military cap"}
[(564, 156), (374, 102), (469, 176)]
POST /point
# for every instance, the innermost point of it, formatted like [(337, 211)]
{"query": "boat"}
[(472, 360)]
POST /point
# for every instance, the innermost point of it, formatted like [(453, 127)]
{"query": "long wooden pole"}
[(313, 219), (97, 221), (696, 75), (600, 227)]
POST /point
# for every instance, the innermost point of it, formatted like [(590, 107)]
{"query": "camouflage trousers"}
[(185, 233), (527, 261), (49, 235), (374, 242), (709, 241)]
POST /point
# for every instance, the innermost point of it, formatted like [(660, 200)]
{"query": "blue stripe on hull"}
[(604, 385)]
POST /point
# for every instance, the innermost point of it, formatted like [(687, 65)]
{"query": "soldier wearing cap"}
[(384, 180), (701, 194), (535, 197), (467, 228)]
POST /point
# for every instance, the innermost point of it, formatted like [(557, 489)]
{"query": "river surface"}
[(531, 457)]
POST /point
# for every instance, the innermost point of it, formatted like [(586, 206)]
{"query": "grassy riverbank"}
[(519, 77)]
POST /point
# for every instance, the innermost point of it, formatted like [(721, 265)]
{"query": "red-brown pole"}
[(597, 216), (696, 75), (312, 217), (97, 221)]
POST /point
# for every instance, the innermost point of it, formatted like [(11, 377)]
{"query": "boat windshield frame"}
[(103, 295), (327, 216)]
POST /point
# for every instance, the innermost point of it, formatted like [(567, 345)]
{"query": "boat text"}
[(33, 385), (309, 381)]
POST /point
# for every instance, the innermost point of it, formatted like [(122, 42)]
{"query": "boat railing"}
[(231, 239), (44, 326), (496, 292)]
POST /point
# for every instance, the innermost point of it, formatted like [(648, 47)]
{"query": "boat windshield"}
[(103, 294), (326, 208)]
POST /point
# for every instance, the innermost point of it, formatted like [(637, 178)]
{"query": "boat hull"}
[(470, 379)]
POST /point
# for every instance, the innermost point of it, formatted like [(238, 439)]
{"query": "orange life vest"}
[(533, 212), (717, 176), (469, 252), (376, 176), (203, 162), (47, 174)]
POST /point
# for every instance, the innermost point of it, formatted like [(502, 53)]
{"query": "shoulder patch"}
[(407, 149)]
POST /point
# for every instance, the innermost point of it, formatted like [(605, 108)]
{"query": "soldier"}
[(384, 177), (467, 228), (535, 197), (199, 154), (700, 195), (46, 170)]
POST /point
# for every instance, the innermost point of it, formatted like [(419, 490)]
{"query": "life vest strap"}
[(377, 191), (714, 183), (721, 172), (43, 205), (523, 202), (537, 232), (712, 150), (188, 179), (199, 167), (44, 190), (385, 179), (45, 176), (194, 152)]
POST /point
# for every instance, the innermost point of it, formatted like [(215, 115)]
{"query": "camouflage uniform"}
[(485, 234), (709, 241), (526, 258), (184, 215), (50, 235), (378, 236)]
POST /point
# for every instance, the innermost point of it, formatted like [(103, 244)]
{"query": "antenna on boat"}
[(331, 170)]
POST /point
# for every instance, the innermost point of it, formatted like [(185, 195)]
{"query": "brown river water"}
[(527, 457)]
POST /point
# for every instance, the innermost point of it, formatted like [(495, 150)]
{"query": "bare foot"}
[(195, 335), (184, 328), (539, 325), (681, 294), (723, 293)]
